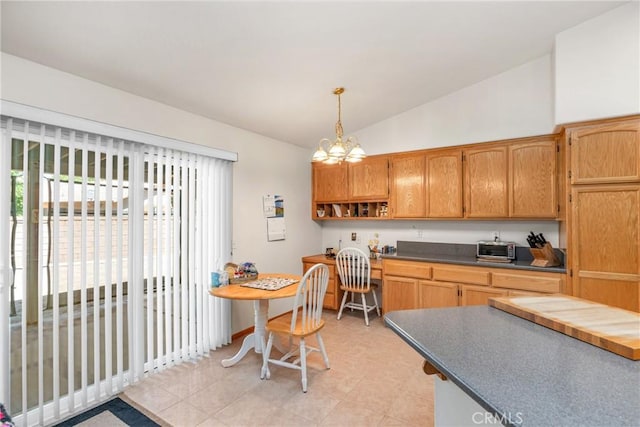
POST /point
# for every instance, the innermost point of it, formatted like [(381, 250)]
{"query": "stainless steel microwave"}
[(496, 251)]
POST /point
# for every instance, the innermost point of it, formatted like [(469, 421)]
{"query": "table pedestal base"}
[(256, 339)]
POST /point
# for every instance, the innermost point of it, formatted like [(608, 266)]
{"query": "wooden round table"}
[(260, 298)]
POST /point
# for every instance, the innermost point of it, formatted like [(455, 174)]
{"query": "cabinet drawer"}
[(376, 274), (475, 276), (402, 268), (528, 282)]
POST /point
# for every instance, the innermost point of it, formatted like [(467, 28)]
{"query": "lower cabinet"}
[(399, 293), (433, 294), (479, 295), (414, 284)]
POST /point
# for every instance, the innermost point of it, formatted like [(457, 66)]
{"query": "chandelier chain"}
[(339, 130)]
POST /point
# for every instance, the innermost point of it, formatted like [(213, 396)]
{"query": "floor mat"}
[(111, 413)]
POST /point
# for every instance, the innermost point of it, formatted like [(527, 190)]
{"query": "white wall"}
[(598, 67), (513, 104), (287, 172), (516, 103)]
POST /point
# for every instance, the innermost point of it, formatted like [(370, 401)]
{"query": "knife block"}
[(544, 257)]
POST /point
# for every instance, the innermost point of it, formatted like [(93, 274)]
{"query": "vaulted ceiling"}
[(270, 67)]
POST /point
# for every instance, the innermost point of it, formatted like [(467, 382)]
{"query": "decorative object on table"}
[(338, 150), (269, 283), (219, 278), (305, 320), (542, 251), (373, 246), (241, 273), (330, 253), (354, 269), (5, 419)]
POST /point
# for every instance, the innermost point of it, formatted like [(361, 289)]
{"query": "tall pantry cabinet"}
[(603, 215)]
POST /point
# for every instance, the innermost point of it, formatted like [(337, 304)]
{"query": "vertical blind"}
[(113, 242)]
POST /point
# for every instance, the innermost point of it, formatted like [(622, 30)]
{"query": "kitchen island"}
[(519, 372)]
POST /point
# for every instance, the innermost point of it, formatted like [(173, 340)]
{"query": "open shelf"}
[(352, 210)]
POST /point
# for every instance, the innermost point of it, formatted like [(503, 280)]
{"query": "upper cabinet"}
[(512, 179), (485, 183), (369, 179), (330, 182), (606, 153), (351, 190), (427, 184), (504, 179), (444, 184), (533, 186), (408, 186)]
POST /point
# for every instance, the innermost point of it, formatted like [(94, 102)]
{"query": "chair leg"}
[(364, 307), (265, 373), (344, 301), (375, 299), (303, 364), (323, 350)]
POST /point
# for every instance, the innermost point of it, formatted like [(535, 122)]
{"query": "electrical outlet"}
[(354, 237), (496, 236), (420, 233)]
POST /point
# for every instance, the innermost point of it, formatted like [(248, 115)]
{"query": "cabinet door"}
[(330, 182), (437, 294), (605, 244), (444, 184), (408, 187), (533, 188), (398, 293), (369, 179), (486, 182), (479, 295), (607, 153)]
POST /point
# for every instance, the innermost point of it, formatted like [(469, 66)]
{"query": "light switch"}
[(354, 236)]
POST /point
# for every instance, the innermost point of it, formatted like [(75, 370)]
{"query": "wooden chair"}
[(306, 319), (354, 269)]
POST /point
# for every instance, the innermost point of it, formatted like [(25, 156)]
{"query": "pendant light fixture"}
[(336, 151)]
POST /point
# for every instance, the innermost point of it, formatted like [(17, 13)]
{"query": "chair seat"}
[(358, 290), (282, 325)]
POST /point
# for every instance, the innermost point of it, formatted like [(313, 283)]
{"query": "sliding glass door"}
[(105, 278)]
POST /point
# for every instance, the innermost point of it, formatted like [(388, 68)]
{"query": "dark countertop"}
[(512, 366), (463, 254)]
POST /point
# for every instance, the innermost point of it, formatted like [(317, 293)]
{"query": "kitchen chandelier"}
[(339, 150)]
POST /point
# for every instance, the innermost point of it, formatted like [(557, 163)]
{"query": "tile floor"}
[(375, 379)]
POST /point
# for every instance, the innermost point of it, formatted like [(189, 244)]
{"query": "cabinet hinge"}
[(569, 173), (557, 148), (464, 157), (570, 273), (570, 198), (558, 207)]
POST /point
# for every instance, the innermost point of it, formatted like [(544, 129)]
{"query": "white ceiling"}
[(271, 67)]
